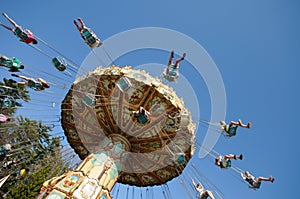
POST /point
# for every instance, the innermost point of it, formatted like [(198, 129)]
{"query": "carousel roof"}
[(97, 112)]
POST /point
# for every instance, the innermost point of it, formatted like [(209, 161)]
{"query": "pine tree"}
[(34, 149), (37, 152), (10, 88)]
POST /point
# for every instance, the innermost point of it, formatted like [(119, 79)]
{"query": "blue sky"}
[(254, 44)]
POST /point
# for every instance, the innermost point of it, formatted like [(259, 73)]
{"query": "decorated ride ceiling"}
[(97, 113)]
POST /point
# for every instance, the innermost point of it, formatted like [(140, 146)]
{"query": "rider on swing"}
[(225, 162), (14, 64), (171, 73), (201, 192), (24, 35), (255, 183), (232, 127), (142, 115), (88, 36)]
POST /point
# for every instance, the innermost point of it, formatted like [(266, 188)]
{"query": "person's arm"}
[(194, 184), (148, 113)]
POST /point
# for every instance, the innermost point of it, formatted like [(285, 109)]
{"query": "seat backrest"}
[(228, 163), (230, 131), (86, 34), (91, 40), (173, 70), (6, 103), (123, 84), (142, 118), (89, 100), (21, 34), (180, 158), (255, 186), (18, 31), (58, 64)]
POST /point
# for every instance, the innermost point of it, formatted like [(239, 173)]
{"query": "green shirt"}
[(12, 63)]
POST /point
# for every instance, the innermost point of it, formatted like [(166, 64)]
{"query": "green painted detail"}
[(99, 159), (21, 34), (58, 64), (113, 172)]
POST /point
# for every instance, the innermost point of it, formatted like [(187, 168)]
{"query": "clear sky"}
[(254, 44)]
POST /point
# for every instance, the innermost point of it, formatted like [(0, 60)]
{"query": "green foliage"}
[(33, 149), (11, 88), (31, 185)]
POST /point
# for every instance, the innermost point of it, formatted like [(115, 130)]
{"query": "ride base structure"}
[(93, 178), (98, 121)]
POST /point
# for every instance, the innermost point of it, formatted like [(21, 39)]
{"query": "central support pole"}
[(94, 178)]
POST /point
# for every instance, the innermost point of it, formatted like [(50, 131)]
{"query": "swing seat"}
[(255, 186), (4, 151), (86, 34), (18, 31), (123, 84), (89, 100), (34, 84), (171, 74), (58, 64), (90, 38), (7, 63), (173, 71), (10, 63), (228, 163), (231, 131), (7, 102), (180, 158), (142, 118), (14, 63), (21, 34)]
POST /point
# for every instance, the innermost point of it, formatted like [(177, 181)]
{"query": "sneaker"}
[(14, 75), (249, 125), (241, 156), (183, 56), (172, 53), (272, 179)]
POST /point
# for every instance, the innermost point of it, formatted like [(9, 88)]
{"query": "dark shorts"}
[(231, 131), (253, 183)]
